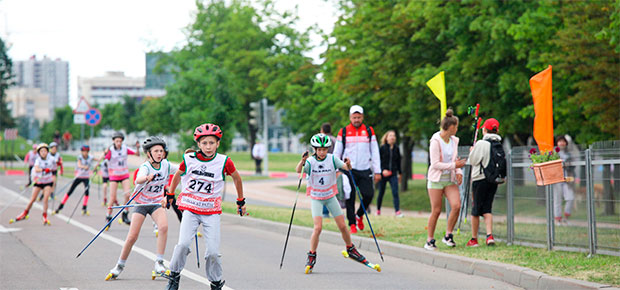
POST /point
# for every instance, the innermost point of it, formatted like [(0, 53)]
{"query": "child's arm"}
[(142, 178), (175, 180), (301, 163), (239, 186)]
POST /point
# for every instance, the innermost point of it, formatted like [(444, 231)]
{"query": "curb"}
[(511, 274)]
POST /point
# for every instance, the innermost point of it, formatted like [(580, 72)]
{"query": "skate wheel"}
[(308, 270), (345, 254), (107, 228), (11, 221), (53, 212), (120, 222), (377, 267), (108, 277), (153, 275), (157, 234), (199, 234), (27, 216), (167, 272)]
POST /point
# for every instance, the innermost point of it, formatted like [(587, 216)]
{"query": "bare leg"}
[(435, 198), (475, 223), (160, 218), (344, 230), (132, 235), (314, 239), (33, 197), (47, 192), (452, 193), (488, 220), (113, 188)]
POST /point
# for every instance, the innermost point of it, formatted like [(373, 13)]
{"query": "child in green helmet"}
[(320, 169)]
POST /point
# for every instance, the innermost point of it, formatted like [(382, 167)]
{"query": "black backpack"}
[(495, 172)]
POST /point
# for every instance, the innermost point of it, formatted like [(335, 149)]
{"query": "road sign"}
[(93, 117), (82, 107), (10, 134), (79, 119)]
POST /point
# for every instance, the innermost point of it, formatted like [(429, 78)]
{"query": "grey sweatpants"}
[(562, 191), (189, 226)]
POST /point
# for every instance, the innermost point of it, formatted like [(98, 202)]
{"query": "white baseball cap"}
[(356, 109)]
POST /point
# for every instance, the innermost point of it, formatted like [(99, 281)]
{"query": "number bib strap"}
[(199, 205)]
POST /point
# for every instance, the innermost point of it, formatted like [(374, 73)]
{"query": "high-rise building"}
[(51, 76), (112, 87)]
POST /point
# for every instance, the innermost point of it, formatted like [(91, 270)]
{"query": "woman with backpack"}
[(483, 189)]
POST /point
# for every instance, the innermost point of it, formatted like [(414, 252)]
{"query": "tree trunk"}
[(406, 162), (608, 192)]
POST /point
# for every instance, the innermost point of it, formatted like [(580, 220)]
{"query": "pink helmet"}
[(207, 129), (34, 146)]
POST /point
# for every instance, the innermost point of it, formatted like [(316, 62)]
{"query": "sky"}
[(113, 35)]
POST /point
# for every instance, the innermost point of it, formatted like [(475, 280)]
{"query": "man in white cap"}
[(358, 142)]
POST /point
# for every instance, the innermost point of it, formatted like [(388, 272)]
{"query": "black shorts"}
[(43, 185), (484, 193), (55, 172), (105, 179)]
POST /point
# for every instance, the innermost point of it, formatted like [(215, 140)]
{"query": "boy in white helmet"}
[(321, 169)]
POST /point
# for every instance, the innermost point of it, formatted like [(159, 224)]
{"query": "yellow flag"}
[(438, 86)]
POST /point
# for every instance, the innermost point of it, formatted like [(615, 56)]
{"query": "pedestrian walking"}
[(258, 153), (358, 143), (444, 176), (390, 170)]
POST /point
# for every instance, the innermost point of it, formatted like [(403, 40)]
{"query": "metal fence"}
[(524, 213)]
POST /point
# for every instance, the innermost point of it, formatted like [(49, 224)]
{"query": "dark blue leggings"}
[(393, 180)]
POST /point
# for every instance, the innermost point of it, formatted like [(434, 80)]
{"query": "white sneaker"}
[(449, 240), (430, 245), (159, 267)]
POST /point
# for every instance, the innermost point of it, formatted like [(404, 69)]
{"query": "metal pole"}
[(590, 205), (266, 136), (82, 134), (549, 197), (510, 216)]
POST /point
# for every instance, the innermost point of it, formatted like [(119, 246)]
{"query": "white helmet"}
[(320, 140)]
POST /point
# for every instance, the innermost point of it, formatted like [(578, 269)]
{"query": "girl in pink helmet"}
[(202, 182)]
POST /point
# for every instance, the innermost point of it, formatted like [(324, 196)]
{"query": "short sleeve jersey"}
[(117, 166), (154, 190), (81, 172), (43, 177), (202, 183)]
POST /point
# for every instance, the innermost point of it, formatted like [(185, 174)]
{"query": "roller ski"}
[(85, 211), (217, 285), (46, 222), (108, 218), (115, 272), (352, 253), (160, 270), (57, 211), (173, 280), (310, 262), (22, 216)]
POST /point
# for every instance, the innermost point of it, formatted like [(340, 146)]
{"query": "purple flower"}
[(550, 153), (533, 151), (557, 149)]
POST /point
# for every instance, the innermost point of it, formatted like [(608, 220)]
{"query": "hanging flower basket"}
[(549, 172)]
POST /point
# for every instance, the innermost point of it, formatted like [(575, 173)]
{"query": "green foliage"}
[(63, 121), (6, 121)]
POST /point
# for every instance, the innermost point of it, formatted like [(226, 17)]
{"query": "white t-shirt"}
[(259, 151), (447, 151), (154, 192)]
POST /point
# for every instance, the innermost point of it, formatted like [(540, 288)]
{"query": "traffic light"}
[(255, 114)]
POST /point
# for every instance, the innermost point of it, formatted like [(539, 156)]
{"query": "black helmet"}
[(152, 141), (118, 135)]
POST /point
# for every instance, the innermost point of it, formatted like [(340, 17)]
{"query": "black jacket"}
[(388, 163)]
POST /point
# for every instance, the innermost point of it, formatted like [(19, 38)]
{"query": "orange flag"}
[(543, 109)]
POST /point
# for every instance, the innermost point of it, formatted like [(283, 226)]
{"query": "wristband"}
[(240, 202)]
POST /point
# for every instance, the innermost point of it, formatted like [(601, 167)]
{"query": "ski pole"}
[(111, 220), (197, 255), (134, 205), (81, 197), (301, 174), (366, 214), (465, 201)]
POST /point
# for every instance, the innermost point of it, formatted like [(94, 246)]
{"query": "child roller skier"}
[(202, 182), (321, 169), (156, 171), (82, 175), (58, 163), (42, 178), (119, 171)]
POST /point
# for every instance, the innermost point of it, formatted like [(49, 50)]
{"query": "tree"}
[(6, 64), (62, 121)]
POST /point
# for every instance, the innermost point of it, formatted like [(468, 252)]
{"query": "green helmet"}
[(320, 140)]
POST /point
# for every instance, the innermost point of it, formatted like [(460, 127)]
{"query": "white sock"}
[(121, 262), (160, 257)]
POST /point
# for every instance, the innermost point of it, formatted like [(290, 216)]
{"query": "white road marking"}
[(4, 230), (136, 249)]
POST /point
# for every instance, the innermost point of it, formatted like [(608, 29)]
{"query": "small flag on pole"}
[(438, 86)]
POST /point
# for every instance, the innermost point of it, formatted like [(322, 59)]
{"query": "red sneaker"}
[(360, 223), (353, 229), (490, 240), (472, 243)]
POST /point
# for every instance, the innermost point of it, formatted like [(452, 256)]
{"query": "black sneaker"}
[(355, 255), (449, 240), (430, 245), (125, 218), (217, 285)]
